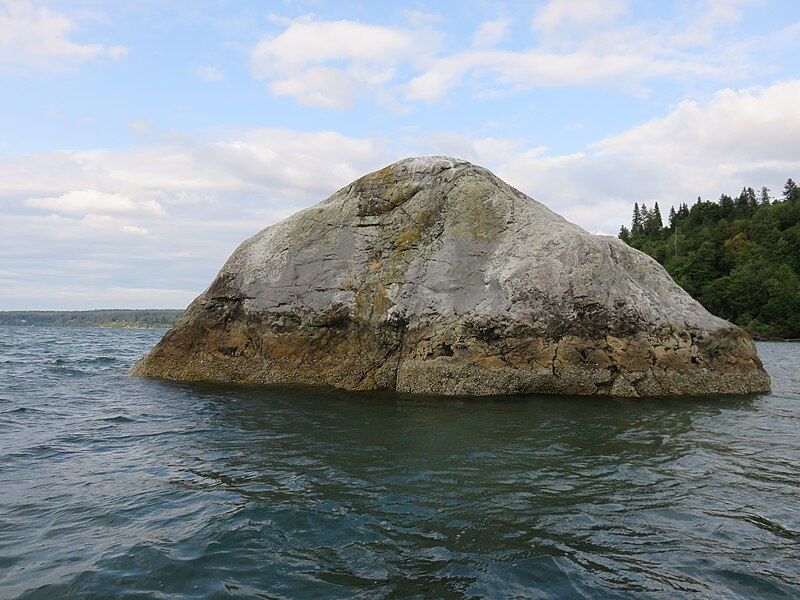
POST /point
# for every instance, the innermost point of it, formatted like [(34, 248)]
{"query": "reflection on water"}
[(114, 486)]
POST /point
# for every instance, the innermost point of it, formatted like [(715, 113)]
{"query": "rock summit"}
[(434, 276)]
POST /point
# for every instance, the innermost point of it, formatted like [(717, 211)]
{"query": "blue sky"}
[(139, 144)]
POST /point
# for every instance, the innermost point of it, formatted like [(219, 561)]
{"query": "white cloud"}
[(579, 43), (93, 202), (315, 42), (753, 124), (38, 37), (331, 63), (716, 14), (134, 230), (558, 15), (261, 160), (442, 76), (536, 68), (330, 87), (491, 33), (591, 43)]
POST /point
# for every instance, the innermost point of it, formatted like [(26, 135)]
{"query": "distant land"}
[(112, 318)]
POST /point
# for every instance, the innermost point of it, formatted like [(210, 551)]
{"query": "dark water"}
[(117, 487)]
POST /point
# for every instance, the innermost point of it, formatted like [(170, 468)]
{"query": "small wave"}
[(118, 419), (22, 410), (94, 360), (98, 360), (67, 370), (772, 526)]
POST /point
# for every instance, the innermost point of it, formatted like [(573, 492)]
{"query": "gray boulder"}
[(434, 276)]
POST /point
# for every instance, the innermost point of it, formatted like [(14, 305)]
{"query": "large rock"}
[(432, 275)]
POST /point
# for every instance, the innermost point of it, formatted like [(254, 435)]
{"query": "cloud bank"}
[(167, 216), (576, 43)]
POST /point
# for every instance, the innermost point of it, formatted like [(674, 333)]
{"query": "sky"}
[(141, 142)]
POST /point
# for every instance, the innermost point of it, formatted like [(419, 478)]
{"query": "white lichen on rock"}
[(433, 275)]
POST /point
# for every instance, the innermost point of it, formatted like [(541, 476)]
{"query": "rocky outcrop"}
[(434, 276)]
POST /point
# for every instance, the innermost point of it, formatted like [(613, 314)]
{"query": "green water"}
[(117, 487)]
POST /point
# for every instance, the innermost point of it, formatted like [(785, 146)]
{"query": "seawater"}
[(116, 487)]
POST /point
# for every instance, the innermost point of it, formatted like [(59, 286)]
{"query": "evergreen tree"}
[(658, 223), (636, 223), (727, 205), (789, 190), (752, 202), (672, 217), (764, 199), (742, 200), (652, 222), (624, 234)]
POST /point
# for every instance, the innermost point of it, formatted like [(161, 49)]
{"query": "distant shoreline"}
[(113, 318), (121, 318)]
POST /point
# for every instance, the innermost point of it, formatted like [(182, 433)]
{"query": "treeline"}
[(93, 318), (740, 257)]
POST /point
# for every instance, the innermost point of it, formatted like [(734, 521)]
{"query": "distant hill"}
[(149, 318), (740, 257)]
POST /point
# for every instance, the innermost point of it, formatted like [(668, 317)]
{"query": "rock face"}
[(434, 276)]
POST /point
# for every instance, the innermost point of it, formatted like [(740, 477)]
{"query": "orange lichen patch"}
[(384, 172), (426, 218), (286, 347), (235, 339), (381, 303), (407, 239), (490, 362), (349, 283), (474, 216)]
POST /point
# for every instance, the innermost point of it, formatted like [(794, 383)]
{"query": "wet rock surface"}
[(434, 276)]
